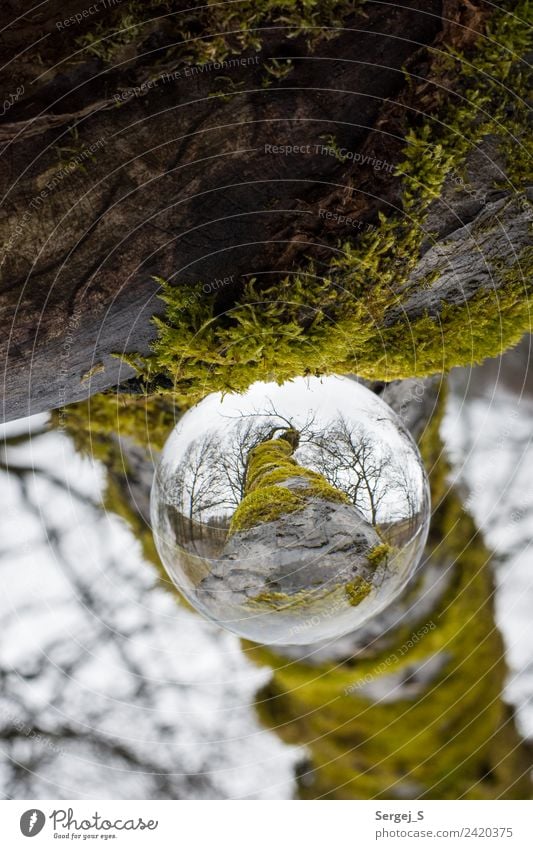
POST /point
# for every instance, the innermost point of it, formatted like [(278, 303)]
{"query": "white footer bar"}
[(267, 825)]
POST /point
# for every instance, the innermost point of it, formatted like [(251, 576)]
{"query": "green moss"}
[(265, 505), (105, 42), (357, 590), (269, 466), (277, 600), (270, 462), (271, 599), (351, 319), (214, 31), (501, 64), (96, 424), (318, 487)]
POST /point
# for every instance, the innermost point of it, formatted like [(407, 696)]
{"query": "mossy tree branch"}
[(134, 151)]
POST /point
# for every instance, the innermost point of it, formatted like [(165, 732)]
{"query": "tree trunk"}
[(410, 705), (127, 154)]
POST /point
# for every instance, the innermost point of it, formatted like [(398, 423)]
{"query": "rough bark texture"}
[(464, 258), (332, 539)]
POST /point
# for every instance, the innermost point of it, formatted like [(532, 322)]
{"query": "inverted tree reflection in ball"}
[(291, 514)]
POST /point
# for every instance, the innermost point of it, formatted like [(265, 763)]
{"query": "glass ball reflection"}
[(291, 514)]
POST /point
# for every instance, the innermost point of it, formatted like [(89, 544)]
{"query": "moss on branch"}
[(351, 318), (342, 321)]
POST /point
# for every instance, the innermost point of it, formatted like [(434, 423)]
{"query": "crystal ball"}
[(291, 514)]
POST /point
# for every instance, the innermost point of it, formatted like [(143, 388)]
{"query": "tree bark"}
[(106, 185)]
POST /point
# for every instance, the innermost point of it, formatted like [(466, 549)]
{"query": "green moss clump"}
[(271, 599), (269, 466), (379, 554), (357, 590), (96, 424), (272, 463)]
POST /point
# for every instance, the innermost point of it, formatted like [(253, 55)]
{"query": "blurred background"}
[(111, 688)]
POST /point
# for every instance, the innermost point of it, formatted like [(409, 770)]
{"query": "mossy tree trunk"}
[(129, 153), (409, 706)]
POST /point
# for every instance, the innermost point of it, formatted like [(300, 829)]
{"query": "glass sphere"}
[(291, 514)]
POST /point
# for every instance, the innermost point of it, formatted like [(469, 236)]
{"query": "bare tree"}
[(232, 461), (211, 479)]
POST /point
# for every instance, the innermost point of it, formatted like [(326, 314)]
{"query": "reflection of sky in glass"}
[(297, 575)]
